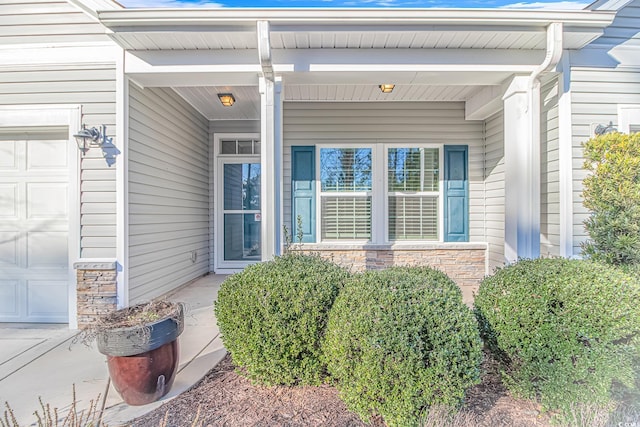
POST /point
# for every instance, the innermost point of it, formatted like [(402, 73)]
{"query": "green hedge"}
[(612, 194), (273, 317), (565, 330), (400, 340)]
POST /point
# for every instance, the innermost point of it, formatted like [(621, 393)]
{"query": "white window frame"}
[(628, 115), (379, 191)]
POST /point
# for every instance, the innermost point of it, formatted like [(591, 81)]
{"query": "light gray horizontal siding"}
[(168, 192), (94, 89), (596, 93), (46, 21), (235, 126), (308, 123), (494, 189), (549, 171), (624, 28)]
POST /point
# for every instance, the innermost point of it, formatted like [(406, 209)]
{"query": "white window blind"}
[(346, 218)]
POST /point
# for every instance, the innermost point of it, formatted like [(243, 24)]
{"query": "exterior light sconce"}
[(226, 99), (603, 130), (387, 88), (89, 138)]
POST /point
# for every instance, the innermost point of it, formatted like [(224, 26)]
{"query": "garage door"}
[(34, 225)]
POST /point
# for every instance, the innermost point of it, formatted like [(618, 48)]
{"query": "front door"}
[(238, 207)]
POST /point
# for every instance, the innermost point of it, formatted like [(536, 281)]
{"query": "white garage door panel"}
[(34, 226), (9, 298), (9, 249), (47, 300), (47, 249), (46, 155), (8, 155), (8, 196)]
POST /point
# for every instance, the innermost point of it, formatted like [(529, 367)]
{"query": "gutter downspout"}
[(271, 153), (552, 58)]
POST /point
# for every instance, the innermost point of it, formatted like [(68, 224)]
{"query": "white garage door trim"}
[(69, 116)]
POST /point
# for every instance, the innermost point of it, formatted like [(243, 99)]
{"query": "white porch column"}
[(522, 175), (271, 165)]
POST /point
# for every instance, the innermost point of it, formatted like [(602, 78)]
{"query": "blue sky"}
[(490, 4)]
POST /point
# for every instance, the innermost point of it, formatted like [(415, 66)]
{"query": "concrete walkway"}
[(46, 361)]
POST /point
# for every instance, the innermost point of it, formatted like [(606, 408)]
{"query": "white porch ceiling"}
[(247, 105)]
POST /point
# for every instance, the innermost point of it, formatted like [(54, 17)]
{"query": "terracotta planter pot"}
[(143, 360)]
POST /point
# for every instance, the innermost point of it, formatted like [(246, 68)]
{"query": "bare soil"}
[(224, 398)]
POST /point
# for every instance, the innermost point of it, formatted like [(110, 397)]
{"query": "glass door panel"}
[(241, 211)]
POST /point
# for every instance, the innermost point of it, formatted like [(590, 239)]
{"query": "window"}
[(413, 193), (379, 193), (345, 193)]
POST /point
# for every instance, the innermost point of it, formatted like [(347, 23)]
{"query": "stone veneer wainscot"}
[(96, 290), (465, 263)]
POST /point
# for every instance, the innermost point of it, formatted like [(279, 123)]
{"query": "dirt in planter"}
[(224, 398), (139, 314)]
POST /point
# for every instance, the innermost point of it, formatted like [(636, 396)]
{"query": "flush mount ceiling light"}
[(226, 99), (387, 88)]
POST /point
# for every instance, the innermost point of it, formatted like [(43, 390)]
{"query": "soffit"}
[(524, 39), (201, 29)]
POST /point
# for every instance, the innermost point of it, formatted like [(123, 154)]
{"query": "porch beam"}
[(301, 60), (484, 103), (406, 59)]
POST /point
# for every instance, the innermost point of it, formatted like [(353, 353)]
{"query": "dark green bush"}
[(400, 340), (566, 331), (612, 194), (273, 317)]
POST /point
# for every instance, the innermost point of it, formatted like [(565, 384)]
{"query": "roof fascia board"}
[(400, 17), (91, 7)]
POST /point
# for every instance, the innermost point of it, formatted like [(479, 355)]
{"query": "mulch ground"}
[(224, 398)]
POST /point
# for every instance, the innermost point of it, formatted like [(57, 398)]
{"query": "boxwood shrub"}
[(273, 317), (565, 331), (400, 340)]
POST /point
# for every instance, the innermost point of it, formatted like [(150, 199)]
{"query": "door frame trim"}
[(69, 116), (217, 242)]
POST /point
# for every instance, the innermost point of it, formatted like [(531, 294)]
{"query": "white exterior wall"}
[(308, 123), (38, 72), (604, 75), (494, 189), (168, 192), (549, 170)]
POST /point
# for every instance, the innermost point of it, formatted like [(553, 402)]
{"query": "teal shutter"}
[(456, 193), (303, 192)]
